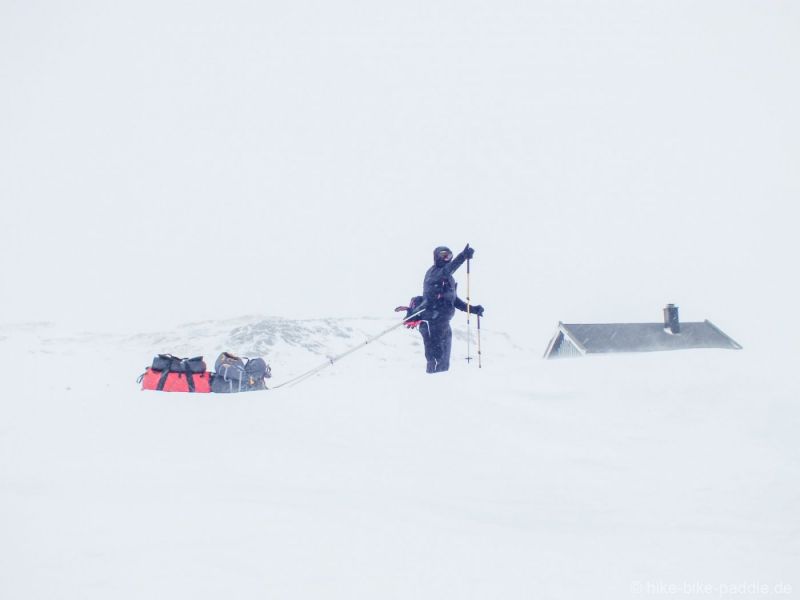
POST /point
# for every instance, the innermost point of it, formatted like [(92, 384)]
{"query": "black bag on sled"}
[(234, 374), (173, 364)]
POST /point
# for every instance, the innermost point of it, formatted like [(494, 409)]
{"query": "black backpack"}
[(256, 371), (234, 374)]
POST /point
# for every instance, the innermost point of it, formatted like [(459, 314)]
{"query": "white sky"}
[(170, 161)]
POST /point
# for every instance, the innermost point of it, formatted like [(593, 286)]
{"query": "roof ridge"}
[(659, 323)]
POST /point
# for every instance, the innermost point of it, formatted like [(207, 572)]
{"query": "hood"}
[(438, 261)]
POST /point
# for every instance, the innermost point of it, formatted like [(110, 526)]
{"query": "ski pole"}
[(479, 341), (469, 340)]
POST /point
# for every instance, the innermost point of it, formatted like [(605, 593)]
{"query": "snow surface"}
[(527, 478)]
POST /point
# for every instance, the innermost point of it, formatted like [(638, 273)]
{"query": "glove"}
[(476, 310), (412, 324), (468, 252)]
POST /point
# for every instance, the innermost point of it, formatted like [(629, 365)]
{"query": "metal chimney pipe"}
[(671, 322)]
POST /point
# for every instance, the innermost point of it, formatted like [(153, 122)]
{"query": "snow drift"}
[(563, 479)]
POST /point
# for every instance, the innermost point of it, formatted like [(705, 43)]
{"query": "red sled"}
[(165, 381)]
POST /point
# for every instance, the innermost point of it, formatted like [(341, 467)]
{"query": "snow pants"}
[(438, 337)]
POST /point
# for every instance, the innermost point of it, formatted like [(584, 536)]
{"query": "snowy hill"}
[(577, 478), (292, 345)]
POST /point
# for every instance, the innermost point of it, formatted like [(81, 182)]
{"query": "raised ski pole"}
[(479, 341), (469, 341)]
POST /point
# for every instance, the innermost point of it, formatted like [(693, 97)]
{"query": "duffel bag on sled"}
[(174, 364), (172, 374), (233, 374)]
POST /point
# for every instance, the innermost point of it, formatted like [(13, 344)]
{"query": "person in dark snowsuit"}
[(441, 301)]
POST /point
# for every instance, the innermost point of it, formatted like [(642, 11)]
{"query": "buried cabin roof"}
[(636, 337)]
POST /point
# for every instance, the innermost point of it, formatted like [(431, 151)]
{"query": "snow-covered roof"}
[(589, 338)]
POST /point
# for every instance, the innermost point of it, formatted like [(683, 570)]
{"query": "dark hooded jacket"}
[(439, 287)]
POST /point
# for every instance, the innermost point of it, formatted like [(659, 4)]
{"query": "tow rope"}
[(303, 376)]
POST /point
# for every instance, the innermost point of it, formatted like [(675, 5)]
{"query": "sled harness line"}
[(303, 376)]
